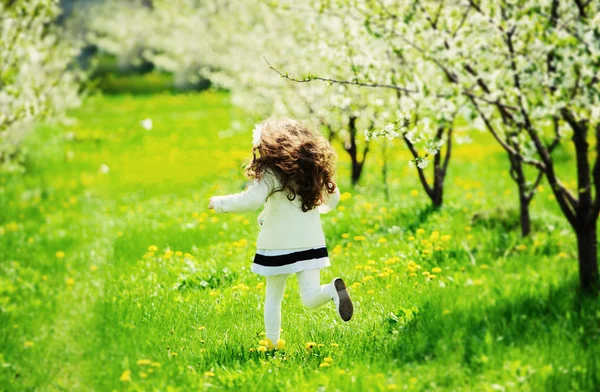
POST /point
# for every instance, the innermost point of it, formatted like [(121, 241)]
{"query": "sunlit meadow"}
[(114, 275)]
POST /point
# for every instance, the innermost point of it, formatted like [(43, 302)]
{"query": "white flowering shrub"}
[(37, 80)]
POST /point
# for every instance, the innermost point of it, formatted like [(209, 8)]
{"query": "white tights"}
[(313, 295)]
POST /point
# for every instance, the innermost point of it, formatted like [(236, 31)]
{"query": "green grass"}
[(503, 314)]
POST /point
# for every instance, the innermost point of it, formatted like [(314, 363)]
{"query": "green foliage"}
[(117, 277)]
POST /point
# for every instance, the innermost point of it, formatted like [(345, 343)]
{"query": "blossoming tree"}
[(36, 80), (530, 70)]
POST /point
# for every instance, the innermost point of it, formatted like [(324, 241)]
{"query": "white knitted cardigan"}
[(285, 225)]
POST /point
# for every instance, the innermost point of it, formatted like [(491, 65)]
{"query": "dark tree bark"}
[(440, 166), (352, 150)]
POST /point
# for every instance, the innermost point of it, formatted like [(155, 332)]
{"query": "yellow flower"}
[(144, 362), (345, 196), (28, 344), (341, 208), (328, 359), (152, 248), (341, 371), (70, 282), (262, 349), (252, 349), (359, 238), (420, 231), (324, 364), (280, 344), (522, 247), (446, 238), (179, 253), (143, 375), (345, 235), (263, 343), (126, 376), (414, 193), (436, 270), (310, 345), (382, 240), (335, 345), (60, 254), (94, 268), (209, 374), (392, 387), (320, 345)]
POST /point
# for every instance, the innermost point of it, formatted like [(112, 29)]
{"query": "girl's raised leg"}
[(313, 294)]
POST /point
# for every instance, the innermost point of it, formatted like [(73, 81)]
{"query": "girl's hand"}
[(211, 204)]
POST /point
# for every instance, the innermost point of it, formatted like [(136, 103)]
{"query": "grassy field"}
[(115, 276)]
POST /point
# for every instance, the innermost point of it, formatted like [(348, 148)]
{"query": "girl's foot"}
[(342, 300)]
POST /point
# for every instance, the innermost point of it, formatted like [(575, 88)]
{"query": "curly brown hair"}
[(302, 160)]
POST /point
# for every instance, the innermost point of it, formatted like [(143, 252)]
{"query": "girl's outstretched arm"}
[(332, 201), (249, 200)]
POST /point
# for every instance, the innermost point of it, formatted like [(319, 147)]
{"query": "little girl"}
[(293, 178)]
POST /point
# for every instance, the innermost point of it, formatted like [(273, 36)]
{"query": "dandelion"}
[(70, 281), (142, 362), (382, 240), (345, 196), (411, 238), (152, 248), (345, 235), (436, 270), (28, 344), (420, 231), (209, 374), (60, 254), (263, 343), (414, 193), (125, 376), (521, 247), (324, 364), (359, 238), (280, 344), (335, 345), (328, 359), (310, 345), (262, 349), (94, 268), (143, 375), (252, 349), (341, 371), (392, 387)]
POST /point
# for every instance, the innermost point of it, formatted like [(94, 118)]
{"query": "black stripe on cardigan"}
[(278, 261)]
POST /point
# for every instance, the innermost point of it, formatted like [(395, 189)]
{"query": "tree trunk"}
[(352, 150), (356, 170), (587, 246), (524, 213)]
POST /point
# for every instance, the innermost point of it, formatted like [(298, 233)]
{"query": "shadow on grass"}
[(561, 323)]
